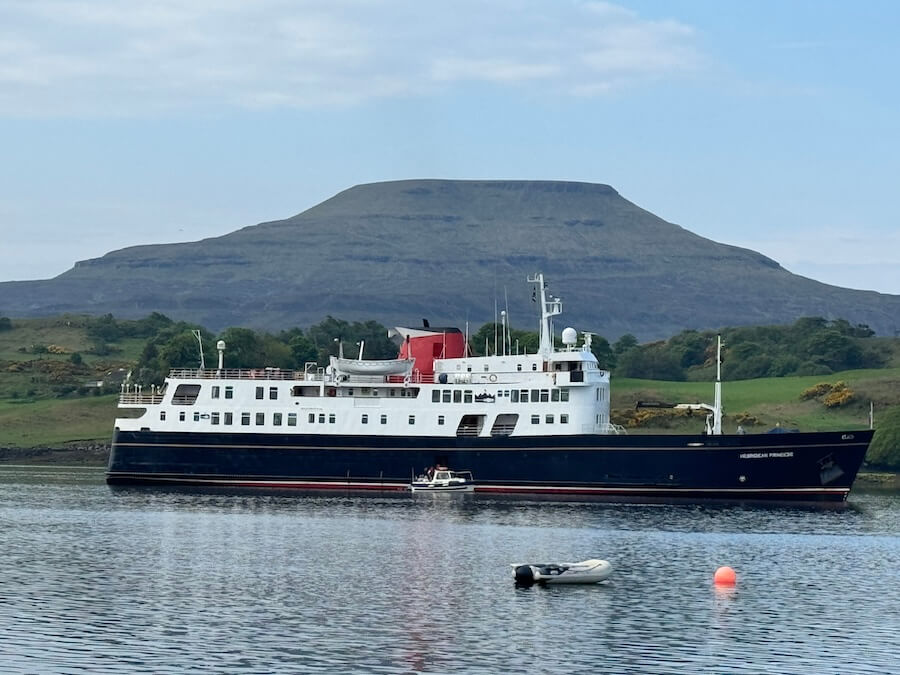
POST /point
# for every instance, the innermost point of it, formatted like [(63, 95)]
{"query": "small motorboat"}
[(585, 572), (442, 479)]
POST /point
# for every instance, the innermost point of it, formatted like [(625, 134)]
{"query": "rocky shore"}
[(71, 455)]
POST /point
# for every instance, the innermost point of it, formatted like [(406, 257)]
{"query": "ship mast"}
[(717, 403), (550, 307)]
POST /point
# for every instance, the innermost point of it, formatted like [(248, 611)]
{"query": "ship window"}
[(523, 396), (214, 418), (519, 366), (185, 394), (273, 393), (534, 366), (504, 424), (440, 420), (554, 395), (436, 396), (393, 392), (467, 396), (181, 416), (412, 419), (486, 367), (535, 419), (446, 396), (196, 417), (545, 395), (228, 418), (365, 419), (229, 392), (312, 418), (259, 392), (564, 395), (457, 396), (384, 419), (245, 419), (292, 419), (215, 391), (260, 418), (514, 395), (331, 418), (549, 419), (563, 419), (162, 416), (321, 418), (534, 395), (276, 419)]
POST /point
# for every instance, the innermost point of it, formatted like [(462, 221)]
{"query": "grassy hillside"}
[(770, 401)]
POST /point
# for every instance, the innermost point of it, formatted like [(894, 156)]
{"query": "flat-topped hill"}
[(452, 251)]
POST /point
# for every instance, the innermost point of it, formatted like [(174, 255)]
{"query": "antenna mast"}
[(549, 309), (200, 342)]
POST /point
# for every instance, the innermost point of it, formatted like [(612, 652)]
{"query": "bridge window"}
[(245, 419), (312, 418), (365, 419), (276, 419), (435, 395), (549, 419), (162, 416), (523, 396), (228, 417), (214, 418), (457, 396), (186, 394), (554, 395), (535, 419), (545, 395), (564, 395), (514, 396), (292, 419), (563, 419), (229, 392), (260, 418), (412, 419), (384, 419), (321, 418), (440, 420), (215, 391), (196, 417), (259, 392), (273, 393), (181, 416), (331, 418), (446, 396)]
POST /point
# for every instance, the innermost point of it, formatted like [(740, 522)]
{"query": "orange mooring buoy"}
[(725, 576)]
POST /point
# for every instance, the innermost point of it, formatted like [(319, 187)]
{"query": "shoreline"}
[(97, 455)]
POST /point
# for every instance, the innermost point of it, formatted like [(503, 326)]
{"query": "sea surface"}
[(125, 580)]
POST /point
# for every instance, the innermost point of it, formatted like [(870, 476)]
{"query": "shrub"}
[(884, 450)]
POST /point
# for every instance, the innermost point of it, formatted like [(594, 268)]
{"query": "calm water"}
[(135, 580)]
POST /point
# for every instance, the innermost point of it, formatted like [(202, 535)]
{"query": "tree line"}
[(809, 346)]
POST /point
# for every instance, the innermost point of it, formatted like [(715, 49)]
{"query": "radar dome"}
[(569, 336), (220, 345)]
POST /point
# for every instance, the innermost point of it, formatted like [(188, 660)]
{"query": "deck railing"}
[(241, 374), (138, 398)]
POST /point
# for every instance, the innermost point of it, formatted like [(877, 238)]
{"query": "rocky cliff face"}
[(451, 251)]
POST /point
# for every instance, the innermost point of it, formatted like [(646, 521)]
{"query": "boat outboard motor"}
[(524, 575)]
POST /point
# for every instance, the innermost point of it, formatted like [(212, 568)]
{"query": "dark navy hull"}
[(817, 466)]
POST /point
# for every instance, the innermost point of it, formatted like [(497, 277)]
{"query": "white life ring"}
[(492, 378)]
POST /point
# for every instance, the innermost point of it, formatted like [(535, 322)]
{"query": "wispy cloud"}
[(94, 57)]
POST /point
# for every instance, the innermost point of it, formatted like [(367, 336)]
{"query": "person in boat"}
[(429, 473)]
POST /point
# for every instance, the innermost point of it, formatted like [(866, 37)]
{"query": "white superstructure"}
[(557, 391)]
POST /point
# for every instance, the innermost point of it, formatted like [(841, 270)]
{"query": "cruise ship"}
[(529, 423)]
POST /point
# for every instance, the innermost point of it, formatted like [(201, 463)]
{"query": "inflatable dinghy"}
[(585, 572)]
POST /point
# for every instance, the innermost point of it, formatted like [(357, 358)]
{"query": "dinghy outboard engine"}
[(524, 575)]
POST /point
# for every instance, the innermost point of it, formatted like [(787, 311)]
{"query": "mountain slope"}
[(449, 251)]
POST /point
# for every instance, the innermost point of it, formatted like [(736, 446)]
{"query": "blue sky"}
[(768, 124)]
